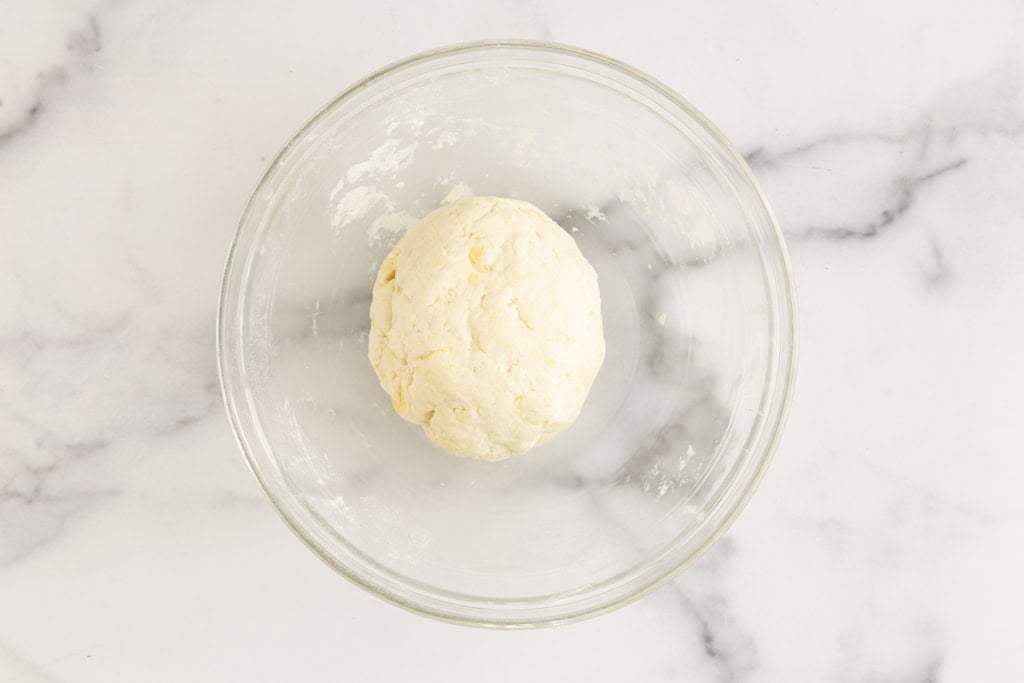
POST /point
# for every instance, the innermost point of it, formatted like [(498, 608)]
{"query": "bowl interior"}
[(697, 315)]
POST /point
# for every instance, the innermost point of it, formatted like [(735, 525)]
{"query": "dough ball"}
[(485, 327)]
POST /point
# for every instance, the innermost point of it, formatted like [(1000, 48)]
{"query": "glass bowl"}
[(698, 308)]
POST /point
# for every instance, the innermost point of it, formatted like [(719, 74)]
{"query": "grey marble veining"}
[(884, 543), (82, 45)]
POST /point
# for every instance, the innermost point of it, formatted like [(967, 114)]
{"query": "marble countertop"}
[(885, 544)]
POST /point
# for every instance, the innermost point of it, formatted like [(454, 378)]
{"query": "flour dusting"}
[(387, 159), (458, 191), (360, 201), (356, 203), (389, 224), (594, 213), (445, 138)]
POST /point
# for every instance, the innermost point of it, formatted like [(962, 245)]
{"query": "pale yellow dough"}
[(485, 327)]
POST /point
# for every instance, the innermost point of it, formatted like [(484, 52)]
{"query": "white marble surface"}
[(887, 542)]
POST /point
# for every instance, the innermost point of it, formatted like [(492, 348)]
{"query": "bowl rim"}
[(785, 376)]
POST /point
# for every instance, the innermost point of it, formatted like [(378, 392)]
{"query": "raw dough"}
[(485, 327)]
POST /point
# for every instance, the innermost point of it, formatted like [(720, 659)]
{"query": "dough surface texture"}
[(485, 327)]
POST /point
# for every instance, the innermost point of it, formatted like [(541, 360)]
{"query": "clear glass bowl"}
[(699, 317)]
